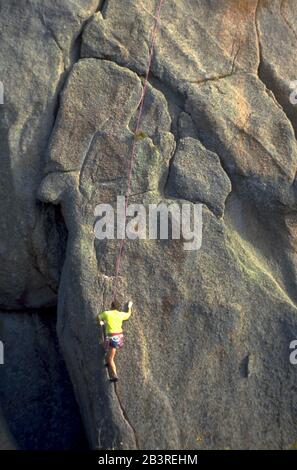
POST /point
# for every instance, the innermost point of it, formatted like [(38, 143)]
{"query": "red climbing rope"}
[(155, 30)]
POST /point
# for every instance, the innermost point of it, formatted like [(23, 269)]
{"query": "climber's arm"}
[(101, 318), (127, 315)]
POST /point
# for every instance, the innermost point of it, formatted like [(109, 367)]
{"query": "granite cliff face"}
[(206, 360)]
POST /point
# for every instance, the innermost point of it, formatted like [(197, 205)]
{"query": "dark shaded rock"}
[(38, 406), (6, 440), (186, 126)]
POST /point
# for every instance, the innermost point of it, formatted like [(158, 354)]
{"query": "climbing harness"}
[(154, 32)]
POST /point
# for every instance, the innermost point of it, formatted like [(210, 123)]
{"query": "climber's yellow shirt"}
[(113, 320)]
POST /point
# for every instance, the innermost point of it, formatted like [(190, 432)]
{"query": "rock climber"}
[(113, 338)]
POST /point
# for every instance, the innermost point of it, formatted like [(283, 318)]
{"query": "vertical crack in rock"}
[(265, 74), (53, 35), (125, 417), (223, 165), (261, 68), (176, 105), (244, 367), (102, 7), (76, 45), (86, 153), (258, 33)]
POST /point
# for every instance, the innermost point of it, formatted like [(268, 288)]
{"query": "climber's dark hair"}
[(115, 305)]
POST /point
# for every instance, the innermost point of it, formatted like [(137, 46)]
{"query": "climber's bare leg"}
[(110, 361)]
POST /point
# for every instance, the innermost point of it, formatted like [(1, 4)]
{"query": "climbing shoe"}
[(114, 379)]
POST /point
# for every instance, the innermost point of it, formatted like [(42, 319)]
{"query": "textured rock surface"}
[(32, 73), (196, 174), (202, 51), (38, 406), (206, 360), (276, 23), (240, 121)]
